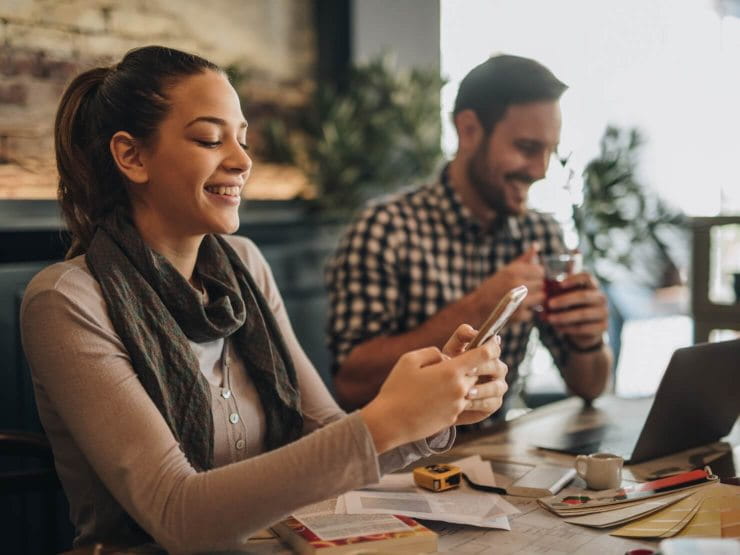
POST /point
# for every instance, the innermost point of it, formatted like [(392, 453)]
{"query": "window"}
[(670, 68)]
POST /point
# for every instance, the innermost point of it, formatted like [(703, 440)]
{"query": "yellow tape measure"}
[(438, 477)]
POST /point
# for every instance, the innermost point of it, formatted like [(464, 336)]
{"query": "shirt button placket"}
[(237, 431)]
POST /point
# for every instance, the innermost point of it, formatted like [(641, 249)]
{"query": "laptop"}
[(697, 402)]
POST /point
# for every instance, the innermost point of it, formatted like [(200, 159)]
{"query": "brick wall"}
[(43, 43)]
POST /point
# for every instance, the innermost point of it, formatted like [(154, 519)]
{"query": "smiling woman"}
[(188, 183), (166, 372)]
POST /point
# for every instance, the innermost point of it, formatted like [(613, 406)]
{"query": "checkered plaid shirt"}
[(408, 256)]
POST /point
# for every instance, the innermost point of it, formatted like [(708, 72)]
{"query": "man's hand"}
[(581, 312), (523, 270)]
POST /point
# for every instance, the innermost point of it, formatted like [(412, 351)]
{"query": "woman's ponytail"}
[(73, 132)]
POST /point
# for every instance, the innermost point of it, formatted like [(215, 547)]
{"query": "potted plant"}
[(626, 229), (630, 238), (379, 131)]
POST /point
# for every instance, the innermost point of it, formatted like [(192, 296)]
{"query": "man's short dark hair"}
[(489, 88)]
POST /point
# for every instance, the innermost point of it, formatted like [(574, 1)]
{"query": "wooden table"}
[(535, 530), (572, 414), (509, 447)]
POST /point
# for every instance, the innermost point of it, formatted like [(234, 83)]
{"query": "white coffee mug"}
[(600, 470)]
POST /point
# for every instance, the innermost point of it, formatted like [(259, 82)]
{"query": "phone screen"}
[(500, 315)]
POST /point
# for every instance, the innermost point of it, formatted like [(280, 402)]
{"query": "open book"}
[(331, 533)]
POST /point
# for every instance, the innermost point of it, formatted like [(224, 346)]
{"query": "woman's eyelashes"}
[(214, 144), (208, 144)]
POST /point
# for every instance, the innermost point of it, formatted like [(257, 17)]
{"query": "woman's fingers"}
[(456, 344), (489, 351), (428, 390), (487, 390), (468, 376), (422, 357), (486, 396), (486, 406), (491, 369)]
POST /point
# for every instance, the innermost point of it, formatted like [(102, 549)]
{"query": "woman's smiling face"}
[(196, 165)]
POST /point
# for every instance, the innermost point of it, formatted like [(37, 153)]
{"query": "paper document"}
[(465, 508), (532, 531), (397, 494)]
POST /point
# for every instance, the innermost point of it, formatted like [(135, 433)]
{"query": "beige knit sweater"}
[(111, 443)]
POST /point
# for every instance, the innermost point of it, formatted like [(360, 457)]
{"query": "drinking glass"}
[(557, 268)]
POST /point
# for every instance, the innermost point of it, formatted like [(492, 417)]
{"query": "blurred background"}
[(350, 99)]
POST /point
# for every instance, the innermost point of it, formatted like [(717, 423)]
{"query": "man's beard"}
[(491, 190)]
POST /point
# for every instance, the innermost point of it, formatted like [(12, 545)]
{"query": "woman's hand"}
[(486, 396), (425, 392), (457, 342)]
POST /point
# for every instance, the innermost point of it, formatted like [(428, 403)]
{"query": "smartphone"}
[(499, 316)]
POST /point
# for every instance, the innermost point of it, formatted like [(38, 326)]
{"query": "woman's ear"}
[(127, 154), (469, 131)]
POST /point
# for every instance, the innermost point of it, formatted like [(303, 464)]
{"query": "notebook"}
[(356, 534), (697, 402)]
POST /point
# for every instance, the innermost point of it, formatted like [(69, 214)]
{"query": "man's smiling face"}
[(515, 154)]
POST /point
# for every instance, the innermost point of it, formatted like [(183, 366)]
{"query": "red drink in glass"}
[(557, 268), (553, 288)]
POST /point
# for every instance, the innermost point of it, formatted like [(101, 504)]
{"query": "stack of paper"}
[(587, 503), (396, 494), (626, 513), (712, 512), (616, 507), (692, 504)]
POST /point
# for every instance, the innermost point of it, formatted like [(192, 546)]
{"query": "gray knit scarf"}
[(155, 311)]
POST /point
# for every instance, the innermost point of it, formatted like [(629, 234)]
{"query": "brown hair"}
[(491, 87), (129, 96)]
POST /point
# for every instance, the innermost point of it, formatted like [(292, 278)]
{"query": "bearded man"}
[(415, 265)]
